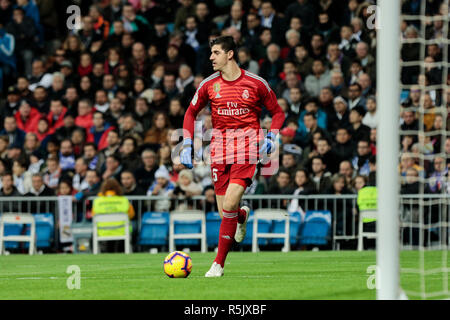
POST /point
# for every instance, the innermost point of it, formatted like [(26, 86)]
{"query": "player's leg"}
[(227, 227), (221, 177), (219, 200), (243, 175)]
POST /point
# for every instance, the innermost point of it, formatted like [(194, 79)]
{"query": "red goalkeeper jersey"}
[(235, 113)]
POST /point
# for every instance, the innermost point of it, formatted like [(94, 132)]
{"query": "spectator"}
[(146, 173), (344, 146), (303, 187), (337, 84), (40, 99), (22, 178), (246, 62), (8, 189), (79, 181), (90, 155), (340, 117), (113, 167), (313, 118), (283, 184), (319, 79), (15, 135), (358, 183), (367, 60), (158, 133), (269, 19), (437, 179), (319, 175), (370, 118), (38, 76), (361, 160), (272, 65), (67, 155), (39, 189), (358, 130), (186, 187), (53, 173), (93, 181), (85, 115), (55, 117), (129, 186), (162, 186), (328, 155), (27, 118), (346, 170), (128, 151), (26, 37), (303, 61)]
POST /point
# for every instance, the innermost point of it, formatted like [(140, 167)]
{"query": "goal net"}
[(424, 149)]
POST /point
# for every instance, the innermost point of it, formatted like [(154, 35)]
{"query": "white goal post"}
[(388, 87)]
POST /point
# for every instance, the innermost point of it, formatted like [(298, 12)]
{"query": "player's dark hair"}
[(226, 43)]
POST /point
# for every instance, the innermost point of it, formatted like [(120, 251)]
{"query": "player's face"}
[(219, 57)]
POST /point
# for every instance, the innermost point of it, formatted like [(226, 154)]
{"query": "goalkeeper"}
[(236, 97)]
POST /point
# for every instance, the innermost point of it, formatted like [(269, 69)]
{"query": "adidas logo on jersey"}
[(218, 95)]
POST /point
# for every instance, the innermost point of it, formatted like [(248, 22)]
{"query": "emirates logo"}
[(245, 94)]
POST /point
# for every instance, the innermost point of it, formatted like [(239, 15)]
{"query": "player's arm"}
[(198, 102), (269, 100)]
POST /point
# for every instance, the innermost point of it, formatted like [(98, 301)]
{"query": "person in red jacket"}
[(27, 118), (55, 117), (85, 115)]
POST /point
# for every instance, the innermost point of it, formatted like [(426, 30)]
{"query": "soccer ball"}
[(178, 264)]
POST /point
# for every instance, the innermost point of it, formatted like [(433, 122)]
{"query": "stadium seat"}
[(154, 229), (213, 221), (12, 230), (264, 226), (187, 227), (45, 230), (316, 228), (16, 234), (294, 229)]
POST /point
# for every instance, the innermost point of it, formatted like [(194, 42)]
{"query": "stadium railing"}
[(424, 212)]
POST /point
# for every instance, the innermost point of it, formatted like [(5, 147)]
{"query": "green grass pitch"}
[(264, 275)]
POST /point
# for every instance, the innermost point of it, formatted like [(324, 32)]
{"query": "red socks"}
[(226, 235)]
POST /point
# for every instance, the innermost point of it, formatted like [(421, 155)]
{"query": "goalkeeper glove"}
[(186, 154), (268, 145)]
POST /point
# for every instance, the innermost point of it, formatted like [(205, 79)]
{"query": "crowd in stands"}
[(101, 101)]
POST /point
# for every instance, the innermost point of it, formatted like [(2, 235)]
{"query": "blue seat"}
[(316, 229), (45, 230), (12, 230), (154, 229), (213, 221), (181, 227), (278, 226), (264, 226)]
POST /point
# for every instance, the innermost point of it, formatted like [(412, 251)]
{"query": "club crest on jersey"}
[(245, 94), (216, 87)]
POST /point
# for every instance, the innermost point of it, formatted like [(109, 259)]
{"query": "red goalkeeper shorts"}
[(224, 174)]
